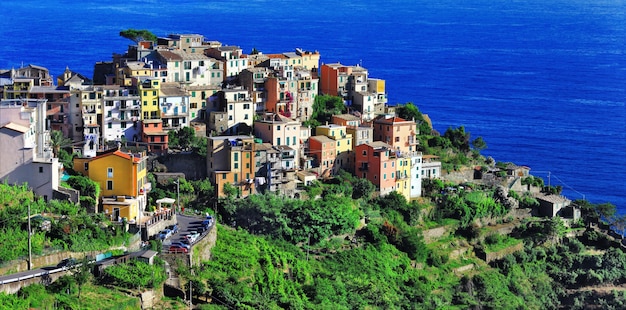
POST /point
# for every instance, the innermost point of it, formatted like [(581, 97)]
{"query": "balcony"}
[(400, 176), (130, 107), (364, 167)]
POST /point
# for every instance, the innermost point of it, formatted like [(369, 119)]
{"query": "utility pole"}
[(178, 193), (191, 272), (30, 253), (548, 178)]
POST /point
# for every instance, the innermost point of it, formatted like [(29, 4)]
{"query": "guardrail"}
[(31, 276)]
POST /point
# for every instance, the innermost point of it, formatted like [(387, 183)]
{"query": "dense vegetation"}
[(56, 225)]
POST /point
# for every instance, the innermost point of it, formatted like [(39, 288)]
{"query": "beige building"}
[(279, 130), (231, 111)]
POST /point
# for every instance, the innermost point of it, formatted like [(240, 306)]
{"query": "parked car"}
[(178, 249), (192, 236), (201, 229), (67, 263), (206, 223), (164, 234), (173, 228), (184, 245)]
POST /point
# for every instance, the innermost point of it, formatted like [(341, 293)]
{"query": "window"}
[(230, 107), (364, 153), (40, 169), (110, 125), (109, 172), (224, 176), (109, 185), (398, 138), (278, 127), (123, 124), (236, 166), (245, 116), (236, 156), (247, 165)]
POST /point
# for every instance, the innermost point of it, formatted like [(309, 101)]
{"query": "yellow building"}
[(343, 157), (403, 176), (123, 181), (337, 133), (149, 92)]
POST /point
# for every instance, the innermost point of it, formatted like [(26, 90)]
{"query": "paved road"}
[(185, 225)]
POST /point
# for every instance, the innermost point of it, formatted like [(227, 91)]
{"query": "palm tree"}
[(57, 141)]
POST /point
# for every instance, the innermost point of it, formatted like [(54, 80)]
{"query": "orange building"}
[(376, 162), (231, 160), (398, 132), (324, 150)]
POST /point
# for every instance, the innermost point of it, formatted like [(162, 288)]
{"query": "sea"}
[(542, 82)]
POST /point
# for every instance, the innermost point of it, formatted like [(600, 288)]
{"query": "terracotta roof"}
[(281, 56), (390, 120), (170, 55), (119, 153)]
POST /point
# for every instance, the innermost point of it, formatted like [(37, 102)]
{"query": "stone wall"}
[(492, 256), (158, 223), (431, 235), (192, 165)]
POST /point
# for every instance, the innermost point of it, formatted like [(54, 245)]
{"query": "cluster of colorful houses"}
[(251, 108)]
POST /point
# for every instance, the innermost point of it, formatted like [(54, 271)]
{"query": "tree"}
[(324, 107), (410, 111), (58, 141), (138, 35), (606, 210), (186, 137), (362, 188), (479, 144), (85, 186), (459, 138), (82, 272)]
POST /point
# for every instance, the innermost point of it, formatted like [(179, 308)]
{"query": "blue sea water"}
[(543, 82)]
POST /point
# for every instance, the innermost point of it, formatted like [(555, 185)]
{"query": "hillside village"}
[(255, 110), (288, 125)]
